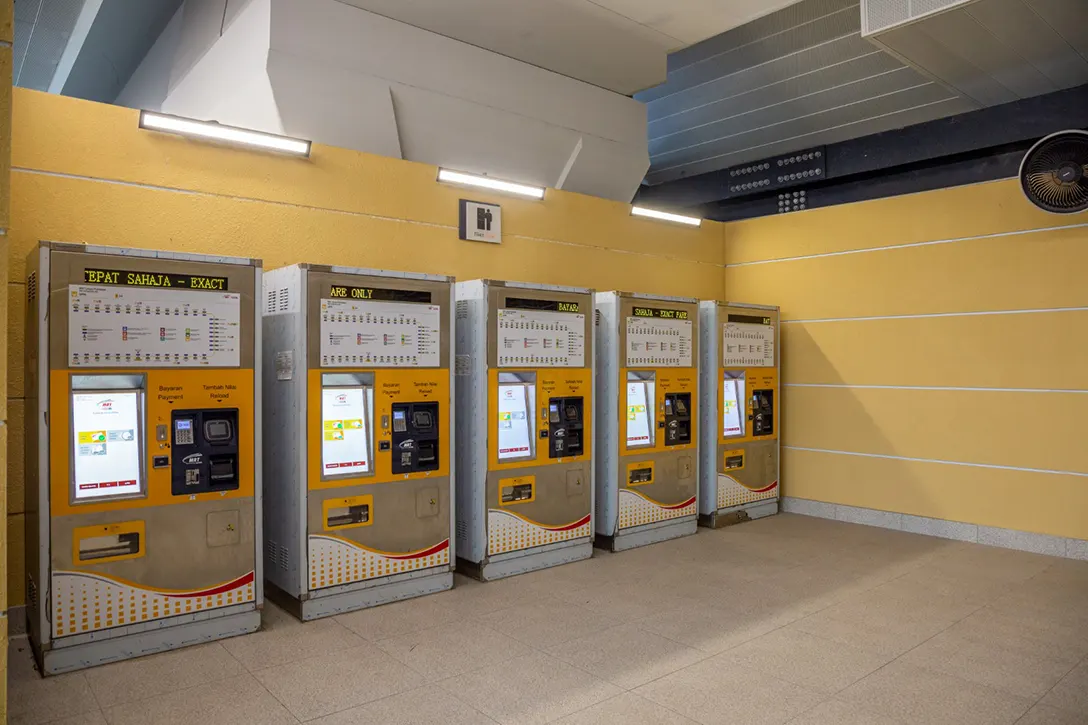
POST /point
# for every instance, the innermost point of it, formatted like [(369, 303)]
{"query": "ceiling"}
[(800, 77), (620, 45), (84, 48)]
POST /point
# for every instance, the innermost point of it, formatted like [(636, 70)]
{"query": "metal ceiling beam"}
[(967, 148)]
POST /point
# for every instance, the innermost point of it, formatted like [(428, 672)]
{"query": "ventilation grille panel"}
[(32, 288), (277, 301), (880, 15)]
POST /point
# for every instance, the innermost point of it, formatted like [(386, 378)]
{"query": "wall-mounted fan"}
[(1054, 173)]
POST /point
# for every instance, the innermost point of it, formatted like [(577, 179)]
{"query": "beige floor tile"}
[(989, 661), (326, 684), (1031, 634), (410, 615), (713, 630), (87, 718), (231, 701), (535, 688), (625, 709), (625, 601), (451, 649), (1046, 715), (1072, 692), (626, 655), (921, 696), (716, 691), (889, 633), (33, 700), (547, 622), (838, 712), (157, 674), (283, 638), (807, 660), (430, 705)]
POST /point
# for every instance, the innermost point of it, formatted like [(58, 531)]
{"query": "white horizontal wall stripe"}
[(925, 315), (935, 387), (342, 212), (937, 460), (906, 245)]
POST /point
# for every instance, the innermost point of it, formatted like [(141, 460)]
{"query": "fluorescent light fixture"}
[(213, 131), (486, 182), (666, 216)]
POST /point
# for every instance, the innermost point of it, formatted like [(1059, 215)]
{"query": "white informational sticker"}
[(152, 327), (285, 365), (640, 413), (748, 345), (656, 342), (345, 439), (515, 425), (540, 338), (106, 437), (380, 334), (733, 407)]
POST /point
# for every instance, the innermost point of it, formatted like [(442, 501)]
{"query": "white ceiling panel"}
[(689, 21), (620, 45)]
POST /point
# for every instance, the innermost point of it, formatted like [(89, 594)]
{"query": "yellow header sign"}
[(154, 279)]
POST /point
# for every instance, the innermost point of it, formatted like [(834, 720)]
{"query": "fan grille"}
[(1054, 174)]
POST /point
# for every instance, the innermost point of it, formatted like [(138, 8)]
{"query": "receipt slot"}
[(738, 392), (358, 504), (646, 411), (524, 394), (142, 430)]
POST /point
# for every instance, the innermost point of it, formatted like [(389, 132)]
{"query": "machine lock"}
[(566, 426), (677, 419)]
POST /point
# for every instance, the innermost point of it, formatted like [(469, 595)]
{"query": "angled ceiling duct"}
[(989, 51)]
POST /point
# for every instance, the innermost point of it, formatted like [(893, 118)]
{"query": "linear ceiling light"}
[(227, 134), (666, 216), (486, 182)]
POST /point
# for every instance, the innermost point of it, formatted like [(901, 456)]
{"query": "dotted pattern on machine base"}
[(731, 493), (86, 602), (509, 532), (637, 510), (335, 561)]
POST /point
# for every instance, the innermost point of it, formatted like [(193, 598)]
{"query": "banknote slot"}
[(340, 516), (109, 546)]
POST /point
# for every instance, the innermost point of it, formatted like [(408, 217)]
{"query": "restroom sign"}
[(480, 222)]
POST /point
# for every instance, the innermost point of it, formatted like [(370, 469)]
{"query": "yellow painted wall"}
[(6, 9), (85, 172), (931, 330)]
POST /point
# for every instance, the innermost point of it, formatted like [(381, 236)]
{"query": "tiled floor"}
[(784, 620)]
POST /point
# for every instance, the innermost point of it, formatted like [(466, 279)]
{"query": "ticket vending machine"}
[(738, 392), (358, 501), (647, 396), (524, 414), (143, 483)]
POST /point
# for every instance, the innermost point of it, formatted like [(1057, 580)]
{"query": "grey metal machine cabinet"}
[(142, 467), (359, 504), (740, 423), (525, 416), (647, 398)]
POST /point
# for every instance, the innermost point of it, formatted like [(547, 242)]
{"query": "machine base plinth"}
[(739, 514), (650, 534), (527, 560), (60, 659), (358, 596)]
